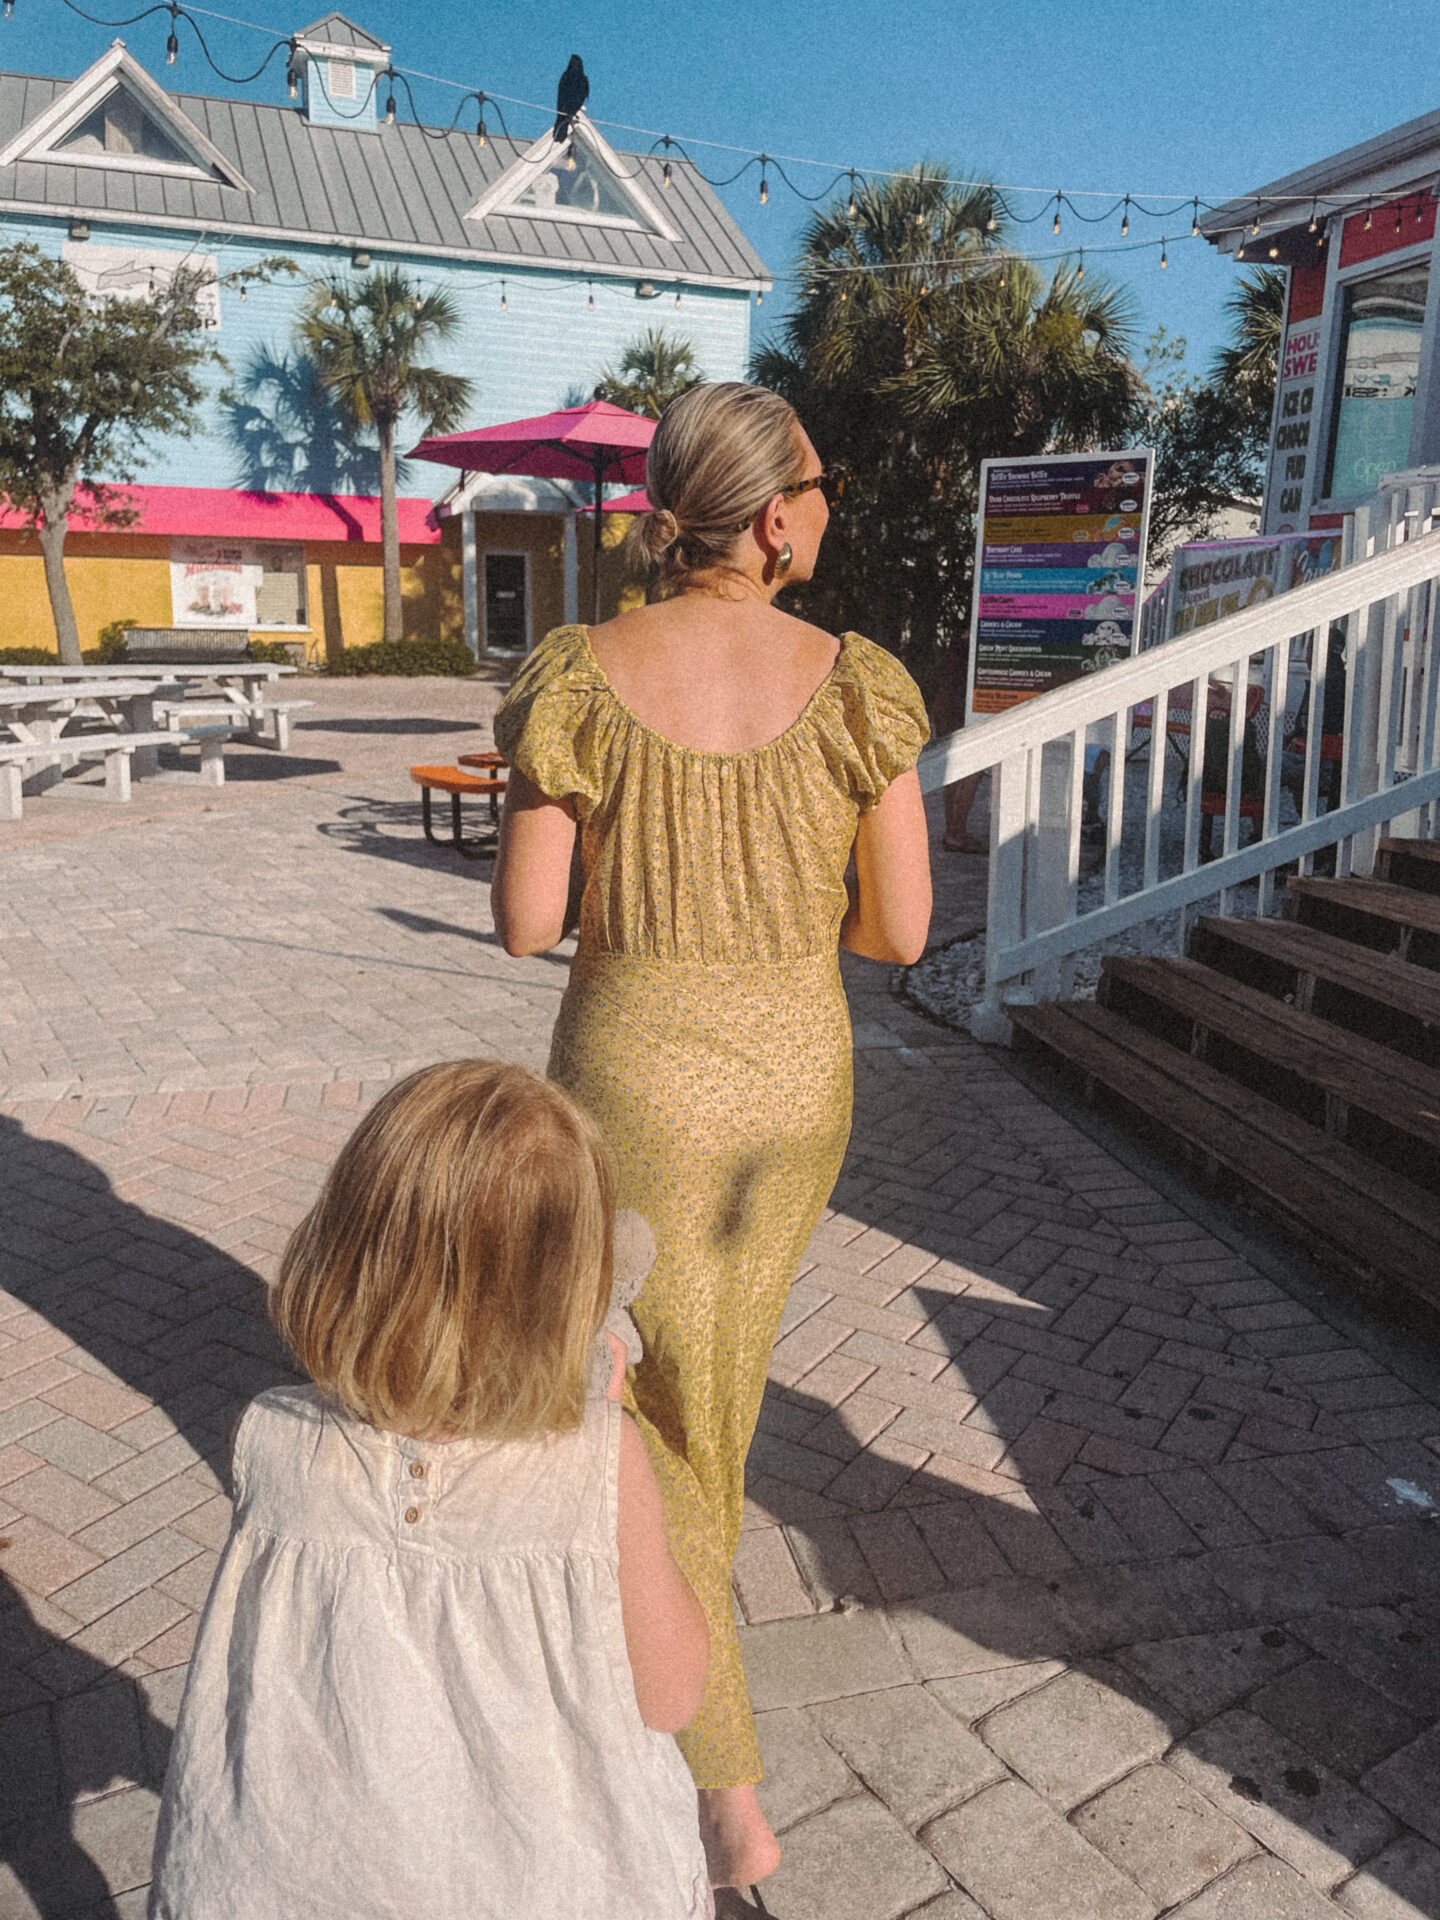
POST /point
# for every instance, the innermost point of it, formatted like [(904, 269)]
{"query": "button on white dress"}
[(410, 1697)]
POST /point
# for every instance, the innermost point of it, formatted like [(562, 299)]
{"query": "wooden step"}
[(1372, 913), (1374, 1098), (1409, 863), (1374, 994), (1342, 1203)]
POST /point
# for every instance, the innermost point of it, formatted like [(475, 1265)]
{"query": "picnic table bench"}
[(489, 781)]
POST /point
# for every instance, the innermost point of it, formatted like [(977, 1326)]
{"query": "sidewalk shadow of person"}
[(181, 1322), (1002, 1569)]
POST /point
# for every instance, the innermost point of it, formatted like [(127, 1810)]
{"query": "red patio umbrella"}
[(597, 442), (636, 502)]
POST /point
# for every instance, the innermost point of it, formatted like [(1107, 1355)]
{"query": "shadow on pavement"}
[(393, 830), (396, 724), (181, 1322), (1288, 1663)]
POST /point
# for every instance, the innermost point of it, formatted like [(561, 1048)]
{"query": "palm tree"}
[(365, 337), (917, 348), (1257, 321), (654, 370)]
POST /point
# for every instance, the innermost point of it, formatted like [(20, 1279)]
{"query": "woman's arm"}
[(665, 1632), (889, 916), (530, 890)]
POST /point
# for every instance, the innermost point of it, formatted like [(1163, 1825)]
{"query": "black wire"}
[(234, 79), (129, 21)]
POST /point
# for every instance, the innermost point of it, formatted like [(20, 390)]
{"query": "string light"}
[(759, 297), (1164, 257), (9, 8), (1367, 219), (1125, 222), (1080, 270), (677, 296), (1059, 200), (481, 131), (172, 45), (1195, 222), (292, 73), (665, 173), (764, 183), (590, 303), (850, 204), (390, 97), (504, 303), (1398, 219), (1274, 253), (570, 158), (1256, 227), (990, 221), (1314, 218)]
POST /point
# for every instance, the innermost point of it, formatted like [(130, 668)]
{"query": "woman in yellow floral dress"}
[(723, 761)]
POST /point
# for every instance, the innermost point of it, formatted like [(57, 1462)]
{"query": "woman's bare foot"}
[(739, 1846)]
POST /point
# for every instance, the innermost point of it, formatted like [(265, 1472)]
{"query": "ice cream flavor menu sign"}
[(1060, 556)]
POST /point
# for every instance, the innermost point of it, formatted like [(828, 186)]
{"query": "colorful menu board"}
[(1060, 557)]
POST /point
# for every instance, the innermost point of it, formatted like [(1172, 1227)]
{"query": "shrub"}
[(112, 641), (29, 657), (273, 653), (406, 657)]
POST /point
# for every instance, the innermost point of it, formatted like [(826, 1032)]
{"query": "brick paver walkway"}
[(1087, 1572)]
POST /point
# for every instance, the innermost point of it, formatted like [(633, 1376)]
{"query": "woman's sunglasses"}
[(831, 482)]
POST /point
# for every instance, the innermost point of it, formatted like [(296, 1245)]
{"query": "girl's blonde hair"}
[(719, 454), (453, 1273)]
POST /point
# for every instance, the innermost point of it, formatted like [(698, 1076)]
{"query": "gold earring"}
[(784, 559)]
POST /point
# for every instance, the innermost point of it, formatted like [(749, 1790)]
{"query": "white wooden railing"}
[(1387, 596)]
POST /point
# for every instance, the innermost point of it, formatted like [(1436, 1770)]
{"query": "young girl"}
[(447, 1645)]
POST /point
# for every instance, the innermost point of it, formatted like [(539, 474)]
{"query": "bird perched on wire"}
[(570, 97)]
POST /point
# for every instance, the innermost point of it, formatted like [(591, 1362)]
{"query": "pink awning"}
[(219, 513)]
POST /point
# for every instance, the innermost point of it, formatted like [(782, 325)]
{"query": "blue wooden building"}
[(557, 255)]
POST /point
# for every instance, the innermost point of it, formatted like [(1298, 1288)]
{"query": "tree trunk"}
[(390, 532), (52, 530)]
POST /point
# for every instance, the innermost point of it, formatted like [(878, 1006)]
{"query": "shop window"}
[(280, 589), (1381, 328), (507, 608)]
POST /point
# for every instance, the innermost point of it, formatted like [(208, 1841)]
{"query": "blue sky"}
[(1169, 99)]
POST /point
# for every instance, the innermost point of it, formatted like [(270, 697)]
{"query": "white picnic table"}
[(38, 704), (238, 686)]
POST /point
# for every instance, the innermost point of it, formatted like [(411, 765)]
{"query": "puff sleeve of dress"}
[(877, 721), (552, 723)]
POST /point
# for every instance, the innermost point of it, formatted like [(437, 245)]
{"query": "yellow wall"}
[(127, 576)]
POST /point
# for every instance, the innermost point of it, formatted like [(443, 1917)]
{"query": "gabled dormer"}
[(339, 65), (581, 180), (116, 117)]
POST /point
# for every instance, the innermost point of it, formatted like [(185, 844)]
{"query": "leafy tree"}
[(654, 370), (84, 385), (1211, 437), (365, 337), (917, 348)]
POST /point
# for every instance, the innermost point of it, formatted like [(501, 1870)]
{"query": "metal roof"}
[(403, 187), (337, 31), (1404, 156)]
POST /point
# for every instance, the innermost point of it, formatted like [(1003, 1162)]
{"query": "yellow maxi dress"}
[(706, 1029)]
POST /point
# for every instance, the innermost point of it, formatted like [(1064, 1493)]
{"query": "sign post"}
[(1060, 557)]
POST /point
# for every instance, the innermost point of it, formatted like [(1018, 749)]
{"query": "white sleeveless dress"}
[(410, 1697)]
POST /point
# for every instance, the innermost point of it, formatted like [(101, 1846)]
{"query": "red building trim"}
[(1399, 223), (219, 513)]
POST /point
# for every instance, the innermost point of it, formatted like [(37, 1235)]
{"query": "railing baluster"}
[(1357, 662), (1278, 677), (1005, 893), (1115, 812), (1155, 784), (1235, 768)]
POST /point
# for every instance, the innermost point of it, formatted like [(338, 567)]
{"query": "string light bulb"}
[(292, 72), (390, 105), (990, 221), (1255, 228), (172, 47), (677, 296), (482, 132), (850, 204), (242, 293), (9, 8), (590, 303), (504, 303), (759, 297), (1367, 219), (1125, 220), (570, 158), (1274, 253), (764, 184), (1164, 257), (1059, 201), (1080, 269), (665, 173), (1195, 222), (1240, 253), (1314, 218)]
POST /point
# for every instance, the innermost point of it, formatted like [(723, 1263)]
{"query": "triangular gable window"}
[(120, 125), (581, 180), (116, 116)]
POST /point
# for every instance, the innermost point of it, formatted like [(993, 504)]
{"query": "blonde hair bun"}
[(719, 453)]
